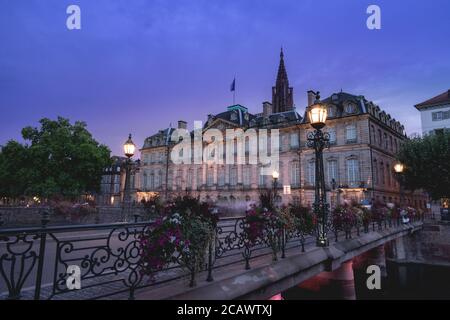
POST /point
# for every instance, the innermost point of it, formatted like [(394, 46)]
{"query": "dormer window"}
[(331, 112), (233, 116), (350, 108)]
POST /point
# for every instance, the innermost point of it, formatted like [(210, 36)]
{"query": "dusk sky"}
[(138, 65)]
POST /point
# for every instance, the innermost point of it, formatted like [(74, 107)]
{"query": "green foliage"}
[(427, 164), (58, 159)]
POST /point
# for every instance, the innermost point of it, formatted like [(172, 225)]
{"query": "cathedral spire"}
[(282, 94)]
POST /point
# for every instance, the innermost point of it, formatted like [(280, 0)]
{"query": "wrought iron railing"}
[(34, 262)]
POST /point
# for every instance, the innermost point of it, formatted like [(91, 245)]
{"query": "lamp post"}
[(318, 140), (129, 147), (275, 176), (399, 169)]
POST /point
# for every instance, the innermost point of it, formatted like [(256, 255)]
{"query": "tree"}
[(60, 159), (427, 164)]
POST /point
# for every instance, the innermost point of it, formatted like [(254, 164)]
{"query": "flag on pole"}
[(233, 85)]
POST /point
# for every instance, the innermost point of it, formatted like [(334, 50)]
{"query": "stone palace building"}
[(358, 165)]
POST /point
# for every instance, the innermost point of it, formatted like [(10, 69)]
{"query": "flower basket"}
[(180, 236)]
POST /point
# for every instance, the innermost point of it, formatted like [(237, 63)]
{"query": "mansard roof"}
[(346, 104), (279, 119), (443, 98), (159, 139), (236, 114)]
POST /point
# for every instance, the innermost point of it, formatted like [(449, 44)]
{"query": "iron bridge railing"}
[(34, 261)]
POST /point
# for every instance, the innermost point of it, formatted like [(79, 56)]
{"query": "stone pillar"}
[(376, 257), (336, 285)]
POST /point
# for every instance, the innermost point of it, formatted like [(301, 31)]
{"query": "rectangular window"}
[(295, 174), (210, 177), (351, 133), (375, 172), (332, 133), (189, 178), (353, 172), (294, 140), (311, 173), (261, 178), (246, 176), (199, 177), (221, 177), (437, 116), (332, 171), (233, 176)]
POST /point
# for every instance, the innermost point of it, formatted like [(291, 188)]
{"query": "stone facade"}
[(358, 164), (113, 181)]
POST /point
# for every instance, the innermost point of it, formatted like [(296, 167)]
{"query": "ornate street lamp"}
[(318, 140), (129, 148), (399, 169)]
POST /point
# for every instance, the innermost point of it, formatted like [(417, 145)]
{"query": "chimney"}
[(267, 108), (182, 124), (311, 97)]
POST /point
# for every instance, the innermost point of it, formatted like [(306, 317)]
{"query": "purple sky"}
[(138, 65)]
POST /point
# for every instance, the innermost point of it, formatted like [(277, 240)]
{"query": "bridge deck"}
[(268, 277)]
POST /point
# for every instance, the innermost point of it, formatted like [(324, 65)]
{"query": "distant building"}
[(113, 182), (435, 116), (358, 165), (435, 113)]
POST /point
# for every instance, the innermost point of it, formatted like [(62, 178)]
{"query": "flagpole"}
[(234, 91)]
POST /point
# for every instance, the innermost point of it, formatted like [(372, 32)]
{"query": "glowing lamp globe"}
[(399, 167), (275, 174), (317, 115), (129, 147)]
